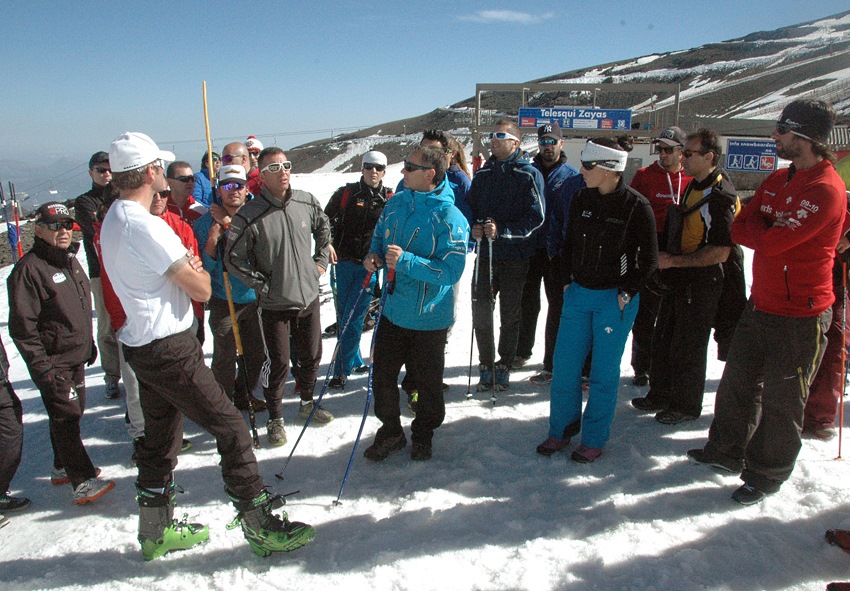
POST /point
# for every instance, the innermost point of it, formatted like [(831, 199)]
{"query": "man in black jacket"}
[(50, 323), (353, 211), (697, 241), (90, 207)]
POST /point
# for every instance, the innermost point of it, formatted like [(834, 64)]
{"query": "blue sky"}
[(76, 74)]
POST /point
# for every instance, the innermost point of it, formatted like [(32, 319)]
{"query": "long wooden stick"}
[(240, 357)]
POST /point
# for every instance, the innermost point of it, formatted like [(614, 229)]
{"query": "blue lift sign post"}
[(751, 155), (577, 118)]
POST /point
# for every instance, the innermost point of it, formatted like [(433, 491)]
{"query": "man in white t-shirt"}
[(155, 277)]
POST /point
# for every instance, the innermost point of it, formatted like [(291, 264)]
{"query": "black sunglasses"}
[(186, 178), (231, 186), (101, 170), (370, 166), (227, 158), (411, 167), (591, 164), (56, 226)]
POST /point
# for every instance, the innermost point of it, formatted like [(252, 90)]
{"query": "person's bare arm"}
[(189, 275)]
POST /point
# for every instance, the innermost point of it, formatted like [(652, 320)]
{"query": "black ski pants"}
[(643, 329), (173, 382), (224, 347), (64, 400), (758, 414), (11, 434), (680, 342), (306, 327), (423, 352), (540, 270), (507, 282)]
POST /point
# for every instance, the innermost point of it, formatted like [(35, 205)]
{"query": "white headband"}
[(607, 158)]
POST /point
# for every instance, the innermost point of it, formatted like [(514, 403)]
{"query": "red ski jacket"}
[(661, 189), (792, 262)]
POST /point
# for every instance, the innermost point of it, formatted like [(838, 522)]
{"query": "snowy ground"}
[(486, 513)]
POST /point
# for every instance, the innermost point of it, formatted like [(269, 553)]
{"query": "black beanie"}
[(814, 119)]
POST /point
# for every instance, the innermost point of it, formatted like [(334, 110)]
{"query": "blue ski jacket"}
[(511, 193), (433, 234)]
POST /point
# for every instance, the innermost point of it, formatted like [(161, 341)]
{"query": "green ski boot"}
[(159, 533), (265, 531)]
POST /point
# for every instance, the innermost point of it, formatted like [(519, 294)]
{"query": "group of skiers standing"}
[(594, 242)]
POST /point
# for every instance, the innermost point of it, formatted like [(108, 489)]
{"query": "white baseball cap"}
[(132, 150)]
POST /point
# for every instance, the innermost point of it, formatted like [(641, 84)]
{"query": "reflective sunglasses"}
[(503, 135), (689, 153), (378, 167), (101, 170), (186, 178), (227, 158), (548, 141), (278, 166), (666, 149), (411, 167), (56, 226), (591, 164), (231, 186)]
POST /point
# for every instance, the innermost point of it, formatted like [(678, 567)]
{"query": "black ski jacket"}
[(353, 221), (611, 240), (50, 310)]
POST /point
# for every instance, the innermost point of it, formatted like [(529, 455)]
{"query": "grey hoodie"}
[(269, 248)]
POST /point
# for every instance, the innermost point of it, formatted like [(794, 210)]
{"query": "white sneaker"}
[(58, 476), (91, 490)]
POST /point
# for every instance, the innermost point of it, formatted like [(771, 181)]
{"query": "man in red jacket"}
[(792, 224)]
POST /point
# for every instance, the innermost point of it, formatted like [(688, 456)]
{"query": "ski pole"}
[(17, 220), (387, 289), (343, 328), (472, 336), (13, 240), (843, 354)]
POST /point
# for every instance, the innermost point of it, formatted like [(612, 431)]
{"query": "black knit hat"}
[(813, 119)]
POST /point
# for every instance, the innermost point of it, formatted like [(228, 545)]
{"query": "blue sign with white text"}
[(751, 155), (577, 118)]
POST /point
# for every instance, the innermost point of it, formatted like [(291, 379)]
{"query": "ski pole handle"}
[(368, 279)]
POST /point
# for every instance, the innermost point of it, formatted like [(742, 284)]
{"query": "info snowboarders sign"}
[(577, 118), (751, 155)]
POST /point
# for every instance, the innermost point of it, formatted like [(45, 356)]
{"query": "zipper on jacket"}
[(787, 285)]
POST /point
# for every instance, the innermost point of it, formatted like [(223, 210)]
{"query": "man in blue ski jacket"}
[(506, 199), (422, 236)]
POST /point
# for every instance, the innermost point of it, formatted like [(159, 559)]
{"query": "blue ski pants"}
[(591, 320), (349, 285)]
